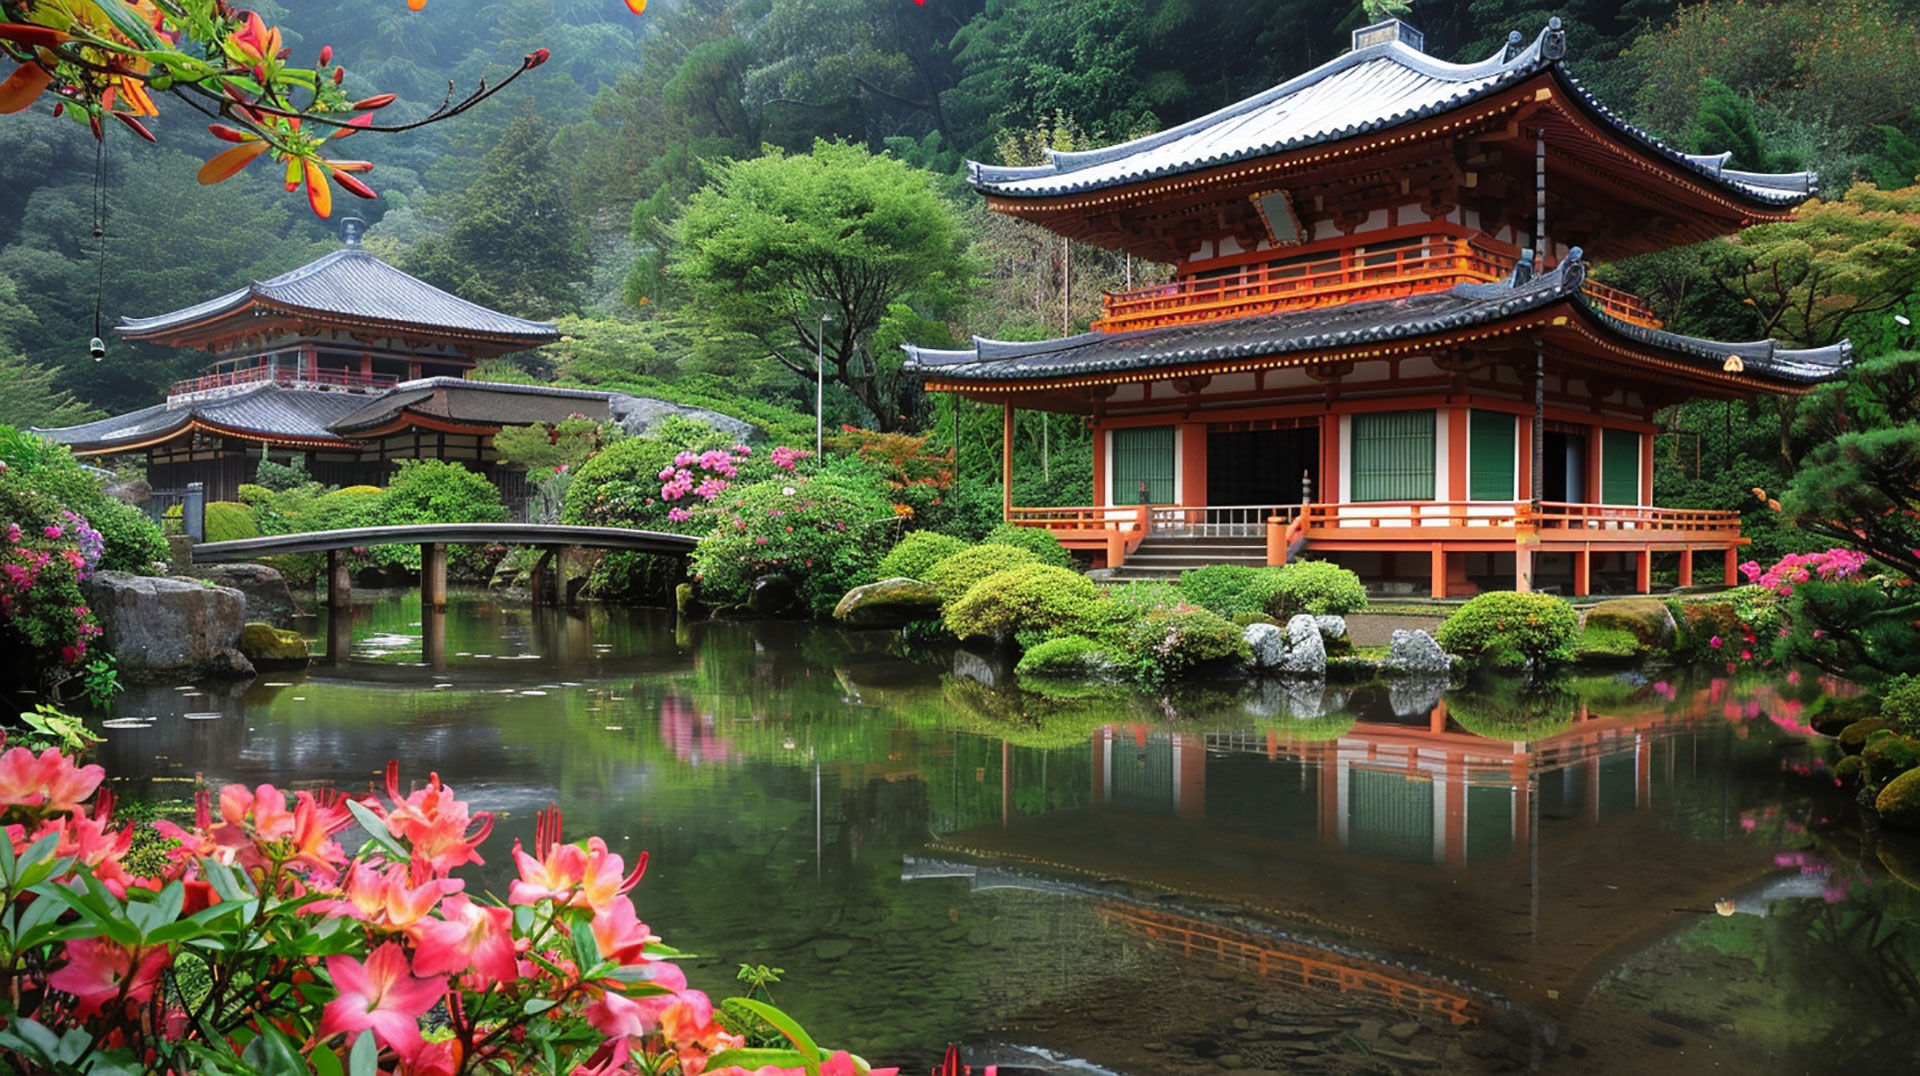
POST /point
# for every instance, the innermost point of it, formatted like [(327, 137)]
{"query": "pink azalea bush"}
[(45, 552), (1832, 566), (258, 944)]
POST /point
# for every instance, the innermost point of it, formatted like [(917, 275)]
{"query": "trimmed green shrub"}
[(1319, 587), (1900, 703), (1232, 590), (955, 575), (1067, 655), (1886, 756), (1899, 802), (1605, 643), (917, 553), (1033, 600), (1042, 544), (1167, 643), (824, 533), (1247, 620), (1538, 627), (229, 521), (1854, 737), (438, 491)]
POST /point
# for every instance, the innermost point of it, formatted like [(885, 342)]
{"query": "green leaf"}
[(376, 831), (586, 951), (364, 1060), (536, 1006), (326, 1062), (755, 1058), (788, 1027)]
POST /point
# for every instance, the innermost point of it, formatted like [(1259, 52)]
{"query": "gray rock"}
[(1294, 698), (639, 414), (890, 603), (1412, 652), (771, 595), (1332, 628), (268, 599), (992, 670), (1268, 643), (269, 648), (133, 491), (159, 627), (1306, 656), (1415, 695)]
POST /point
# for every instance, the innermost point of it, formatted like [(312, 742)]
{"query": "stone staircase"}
[(1162, 557)]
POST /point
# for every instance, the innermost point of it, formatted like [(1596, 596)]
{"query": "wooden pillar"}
[(1686, 567), (1193, 466), (1524, 483), (1582, 572), (1523, 567), (339, 580), (1643, 774), (1643, 572), (1733, 566), (1439, 589), (1006, 460), (1596, 436), (1326, 488), (1453, 814), (1276, 542), (1646, 469), (339, 634), (433, 638), (433, 577), (1190, 772), (1100, 476), (1457, 484)]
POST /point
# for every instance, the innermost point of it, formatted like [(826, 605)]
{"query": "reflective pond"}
[(1237, 878)]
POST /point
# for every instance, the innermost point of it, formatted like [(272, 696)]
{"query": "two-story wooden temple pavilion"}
[(346, 362), (1360, 352)]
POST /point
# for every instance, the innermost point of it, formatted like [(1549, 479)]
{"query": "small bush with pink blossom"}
[(45, 551), (257, 943), (825, 533), (1837, 611)]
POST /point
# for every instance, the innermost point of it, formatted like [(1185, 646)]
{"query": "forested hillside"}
[(577, 194)]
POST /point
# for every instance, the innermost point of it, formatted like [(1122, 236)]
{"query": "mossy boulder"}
[(1854, 737), (1831, 715), (1646, 619), (270, 648), (1887, 755), (890, 603), (1068, 655), (1899, 802)]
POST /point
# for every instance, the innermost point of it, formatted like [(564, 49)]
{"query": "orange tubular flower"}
[(229, 163), (23, 88)]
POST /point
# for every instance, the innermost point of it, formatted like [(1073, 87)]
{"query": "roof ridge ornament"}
[(1555, 46), (1388, 30)]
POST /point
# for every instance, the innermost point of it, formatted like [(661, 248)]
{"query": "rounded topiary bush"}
[(1042, 544), (1032, 599), (1168, 643), (824, 533), (1887, 755), (1232, 590), (1067, 655), (1247, 620), (916, 554), (1538, 627), (1318, 587), (1899, 802), (953, 576), (229, 521), (1854, 737), (1503, 713), (1900, 703)]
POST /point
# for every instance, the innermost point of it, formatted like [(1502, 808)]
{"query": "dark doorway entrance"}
[(1261, 467), (1563, 467)]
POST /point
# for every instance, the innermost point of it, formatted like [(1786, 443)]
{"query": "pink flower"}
[(51, 781), (473, 938), (13, 533), (1715, 642), (52, 530), (98, 969), (382, 996)]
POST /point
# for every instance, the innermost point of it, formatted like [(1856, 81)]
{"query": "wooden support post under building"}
[(1582, 573), (1643, 572), (1006, 461), (339, 580), (1733, 566), (1523, 567), (1686, 567), (1439, 586), (433, 576)]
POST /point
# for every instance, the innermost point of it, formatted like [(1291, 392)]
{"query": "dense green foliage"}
[(1170, 642), (917, 553), (1232, 590), (229, 521), (1499, 625), (1031, 602), (1319, 587), (824, 534), (1041, 543), (1065, 655), (953, 576), (133, 543)]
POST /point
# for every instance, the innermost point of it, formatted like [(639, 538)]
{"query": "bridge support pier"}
[(542, 574), (433, 576), (339, 580)]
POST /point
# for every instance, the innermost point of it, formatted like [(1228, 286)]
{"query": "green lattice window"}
[(1393, 456), (1619, 467), (1143, 454), (1490, 456)]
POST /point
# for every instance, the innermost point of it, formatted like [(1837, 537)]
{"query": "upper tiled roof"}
[(1325, 328), (1366, 89), (353, 285)]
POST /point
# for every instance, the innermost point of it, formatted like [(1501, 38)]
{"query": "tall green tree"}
[(512, 241), (776, 241)]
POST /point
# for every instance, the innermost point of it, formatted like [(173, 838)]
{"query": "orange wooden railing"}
[(1692, 522), (1552, 520), (1384, 270)]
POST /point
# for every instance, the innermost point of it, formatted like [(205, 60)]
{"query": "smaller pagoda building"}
[(348, 364), (1382, 342)]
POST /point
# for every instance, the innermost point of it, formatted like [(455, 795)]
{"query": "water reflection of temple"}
[(1527, 868)]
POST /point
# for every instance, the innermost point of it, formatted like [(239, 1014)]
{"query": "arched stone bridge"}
[(433, 540)]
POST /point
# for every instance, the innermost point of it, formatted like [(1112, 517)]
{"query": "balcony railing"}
[(1386, 270), (285, 376)]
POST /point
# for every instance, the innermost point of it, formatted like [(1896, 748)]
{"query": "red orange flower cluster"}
[(261, 938)]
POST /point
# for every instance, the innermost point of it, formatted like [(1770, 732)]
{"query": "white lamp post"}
[(820, 386)]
